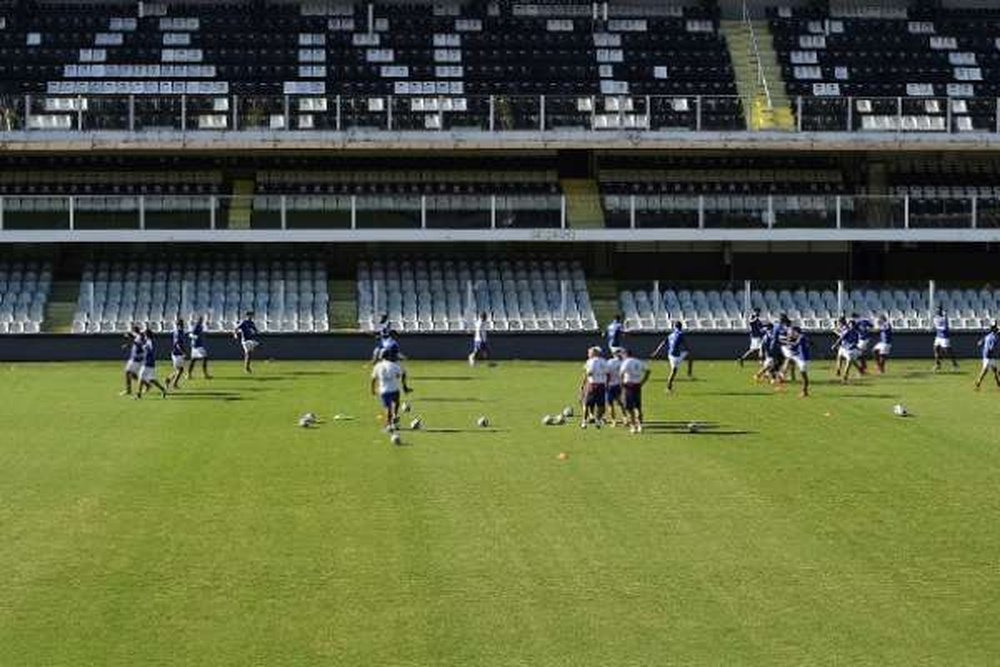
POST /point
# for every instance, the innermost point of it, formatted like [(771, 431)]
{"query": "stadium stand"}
[(946, 194), (436, 295), (909, 309), (286, 294), (24, 291)]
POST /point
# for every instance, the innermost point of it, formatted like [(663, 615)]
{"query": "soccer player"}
[(782, 331), (634, 375), (198, 349), (756, 328), (613, 396), (383, 331), (847, 348), (864, 327), (771, 349), (388, 377), (389, 345), (480, 346), (246, 333), (990, 344), (677, 353), (615, 334), (883, 348), (147, 377), (942, 340), (177, 354), (594, 388), (133, 363), (798, 344)]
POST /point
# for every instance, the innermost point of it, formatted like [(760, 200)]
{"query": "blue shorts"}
[(595, 396), (633, 397), (389, 399), (480, 347), (614, 393)]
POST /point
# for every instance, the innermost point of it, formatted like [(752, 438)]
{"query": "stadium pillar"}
[(840, 297), (906, 211), (142, 212), (354, 211), (701, 211), (72, 222), (747, 296), (492, 121), (631, 210), (931, 297), (284, 212), (1, 212), (837, 205), (974, 211), (337, 106), (541, 113), (213, 205), (493, 211), (798, 113), (183, 113), (131, 113)]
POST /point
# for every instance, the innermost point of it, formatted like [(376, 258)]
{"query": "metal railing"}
[(44, 115), (755, 46)]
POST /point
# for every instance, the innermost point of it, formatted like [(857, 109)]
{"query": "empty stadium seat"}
[(24, 292)]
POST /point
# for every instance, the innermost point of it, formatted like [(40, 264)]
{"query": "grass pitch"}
[(208, 529)]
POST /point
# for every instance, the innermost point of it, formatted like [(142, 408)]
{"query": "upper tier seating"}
[(24, 290), (813, 309), (405, 67), (286, 294), (908, 70), (434, 295)]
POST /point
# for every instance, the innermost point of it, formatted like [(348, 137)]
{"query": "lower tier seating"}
[(24, 290)]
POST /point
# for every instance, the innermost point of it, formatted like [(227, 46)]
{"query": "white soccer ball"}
[(305, 423), (416, 424), (482, 422), (567, 412), (310, 416), (899, 410), (404, 407), (559, 420), (694, 427), (395, 439), (547, 420)]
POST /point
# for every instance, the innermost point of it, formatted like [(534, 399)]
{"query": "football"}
[(396, 439), (899, 410), (483, 422), (694, 427), (547, 420), (305, 423), (567, 412), (416, 424), (404, 407), (559, 420)]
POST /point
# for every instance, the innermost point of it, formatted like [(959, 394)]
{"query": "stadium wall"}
[(531, 346)]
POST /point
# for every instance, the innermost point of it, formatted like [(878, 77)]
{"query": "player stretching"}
[(147, 377), (677, 353), (480, 347), (177, 355), (798, 345), (847, 349), (198, 349), (613, 397), (756, 328), (246, 333), (634, 375), (615, 334), (990, 344), (133, 364), (883, 348), (387, 379), (942, 340), (594, 388)]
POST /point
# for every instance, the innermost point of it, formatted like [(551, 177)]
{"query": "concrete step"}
[(343, 309), (241, 208), (583, 203), (61, 306), (604, 298)]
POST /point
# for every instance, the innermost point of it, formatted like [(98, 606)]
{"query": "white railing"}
[(761, 77)]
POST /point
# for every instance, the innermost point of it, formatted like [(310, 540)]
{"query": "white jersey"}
[(632, 371), (389, 375), (597, 370), (613, 367), (480, 332)]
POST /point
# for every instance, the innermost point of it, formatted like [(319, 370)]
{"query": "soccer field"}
[(208, 529)]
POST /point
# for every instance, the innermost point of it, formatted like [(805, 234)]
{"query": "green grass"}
[(208, 529)]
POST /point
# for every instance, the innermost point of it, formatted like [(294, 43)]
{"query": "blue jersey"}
[(780, 331), (137, 352), (849, 338), (615, 332), (149, 354), (800, 347), (389, 344), (197, 336), (864, 328), (756, 327), (941, 328), (177, 343), (247, 330), (885, 333), (675, 343), (772, 343), (990, 346), (383, 330)]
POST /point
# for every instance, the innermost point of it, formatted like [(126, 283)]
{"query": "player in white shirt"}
[(480, 346), (613, 391), (634, 375), (388, 377), (593, 389)]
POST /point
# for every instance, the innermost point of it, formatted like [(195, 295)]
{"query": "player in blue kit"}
[(677, 353), (480, 343), (177, 354), (756, 328), (615, 334), (942, 340), (147, 377), (246, 333), (389, 345), (883, 348), (387, 379), (864, 327), (847, 348), (782, 330), (771, 349), (382, 332), (798, 346), (989, 345), (199, 352), (133, 362)]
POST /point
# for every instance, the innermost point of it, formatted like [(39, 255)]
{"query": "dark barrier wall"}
[(570, 346)]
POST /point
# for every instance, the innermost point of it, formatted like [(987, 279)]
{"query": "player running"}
[(246, 333), (198, 350), (147, 377), (383, 331), (782, 331), (883, 348), (480, 346), (771, 349), (677, 353), (864, 327), (634, 375), (847, 349), (388, 377), (756, 328), (389, 345), (133, 363), (615, 334), (942, 340), (613, 396), (593, 389), (990, 345), (177, 354), (798, 346)]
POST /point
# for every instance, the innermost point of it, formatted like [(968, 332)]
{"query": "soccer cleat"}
[(638, 429), (583, 424), (632, 430)]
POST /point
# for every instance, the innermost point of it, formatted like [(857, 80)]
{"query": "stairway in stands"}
[(583, 203), (604, 299), (759, 115), (61, 306), (241, 206), (343, 309)]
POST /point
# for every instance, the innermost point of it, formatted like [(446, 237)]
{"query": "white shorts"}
[(250, 345), (848, 354), (148, 374), (942, 342), (863, 345), (178, 361), (199, 353), (676, 361), (885, 349), (786, 352), (990, 364), (770, 363), (756, 344), (801, 364), (133, 367)]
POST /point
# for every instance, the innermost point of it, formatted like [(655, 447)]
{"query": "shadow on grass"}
[(258, 378), (441, 399), (199, 396), (312, 373), (461, 430), (444, 378), (879, 396)]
